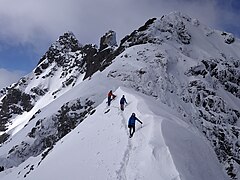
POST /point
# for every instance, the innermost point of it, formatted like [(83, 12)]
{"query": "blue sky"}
[(29, 27), (18, 57)]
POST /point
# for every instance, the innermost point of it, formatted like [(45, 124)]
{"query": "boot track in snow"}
[(121, 173)]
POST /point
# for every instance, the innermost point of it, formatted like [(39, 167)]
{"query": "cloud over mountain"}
[(8, 77), (30, 21)]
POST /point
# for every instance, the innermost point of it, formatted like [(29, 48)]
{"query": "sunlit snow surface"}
[(164, 147)]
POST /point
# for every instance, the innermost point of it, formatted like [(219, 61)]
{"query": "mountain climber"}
[(1, 168), (111, 96), (122, 101), (131, 124)]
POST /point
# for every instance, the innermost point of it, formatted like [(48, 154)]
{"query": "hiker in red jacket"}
[(111, 96)]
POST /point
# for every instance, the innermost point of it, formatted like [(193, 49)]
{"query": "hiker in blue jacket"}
[(122, 101), (131, 124)]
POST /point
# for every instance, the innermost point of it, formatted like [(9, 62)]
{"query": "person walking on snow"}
[(131, 124), (122, 101), (111, 96)]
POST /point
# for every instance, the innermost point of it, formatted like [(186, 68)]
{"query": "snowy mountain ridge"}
[(174, 60), (150, 154)]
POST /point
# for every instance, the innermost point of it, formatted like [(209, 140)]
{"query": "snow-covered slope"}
[(193, 69), (181, 78), (164, 147)]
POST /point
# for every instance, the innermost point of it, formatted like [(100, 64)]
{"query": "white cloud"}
[(9, 77), (41, 21)]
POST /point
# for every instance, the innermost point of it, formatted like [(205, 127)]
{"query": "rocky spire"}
[(108, 40)]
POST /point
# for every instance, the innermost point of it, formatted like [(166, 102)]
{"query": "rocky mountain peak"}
[(67, 42), (64, 44), (59, 52), (158, 30)]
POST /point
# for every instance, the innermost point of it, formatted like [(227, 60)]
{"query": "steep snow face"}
[(164, 147)]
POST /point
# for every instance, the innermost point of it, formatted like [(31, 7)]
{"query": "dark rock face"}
[(147, 24), (108, 40), (4, 137), (39, 91), (228, 38), (183, 35), (3, 92), (96, 60), (136, 37), (14, 103)]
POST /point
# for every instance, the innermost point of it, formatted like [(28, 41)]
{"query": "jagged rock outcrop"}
[(64, 54), (171, 27), (99, 59), (3, 92), (228, 37), (65, 43), (14, 103), (108, 40)]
